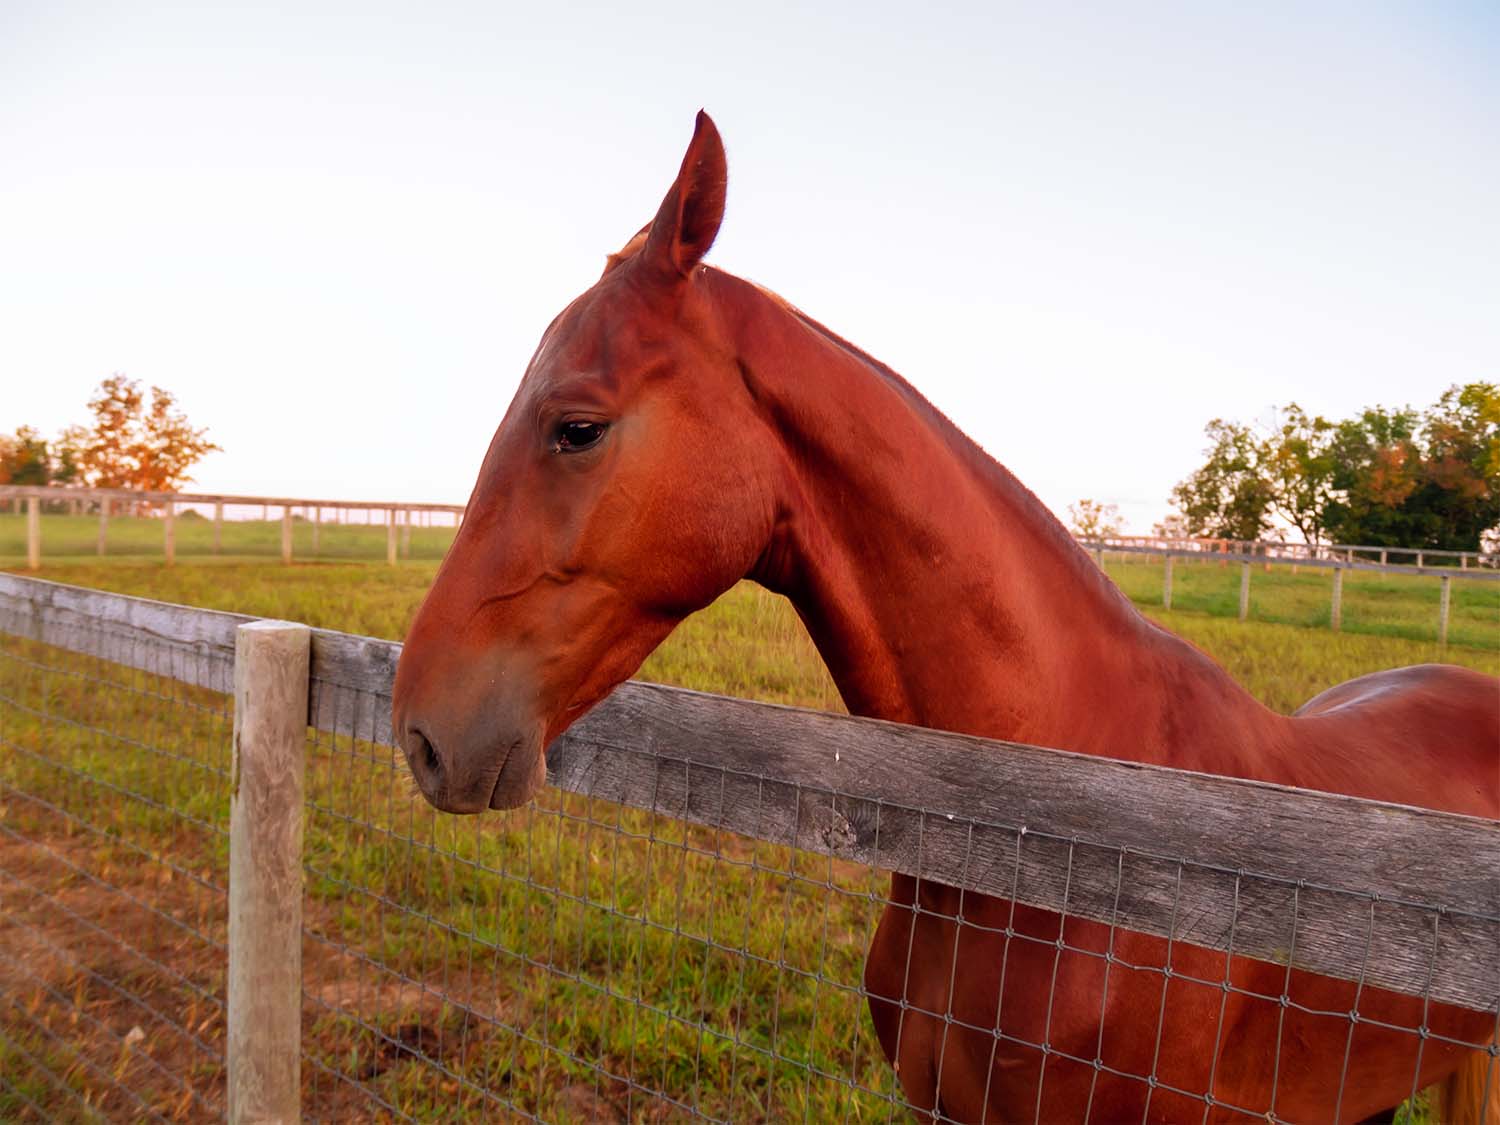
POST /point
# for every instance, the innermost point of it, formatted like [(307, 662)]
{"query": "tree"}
[(1093, 520), (1462, 486), (1172, 526), (1385, 477), (24, 458), (136, 444), (1379, 466), (1299, 464), (1228, 497)]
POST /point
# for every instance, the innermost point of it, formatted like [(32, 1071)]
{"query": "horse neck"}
[(940, 591)]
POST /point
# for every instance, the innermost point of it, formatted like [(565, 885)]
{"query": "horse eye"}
[(573, 436)]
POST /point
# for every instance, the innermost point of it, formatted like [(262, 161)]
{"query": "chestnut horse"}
[(679, 429)]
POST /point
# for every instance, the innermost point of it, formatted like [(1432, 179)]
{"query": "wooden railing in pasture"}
[(397, 516), (1389, 896), (1420, 559), (1336, 560)]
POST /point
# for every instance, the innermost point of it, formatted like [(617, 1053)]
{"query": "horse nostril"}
[(423, 758)]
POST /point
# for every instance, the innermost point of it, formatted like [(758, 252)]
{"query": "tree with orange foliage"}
[(136, 444)]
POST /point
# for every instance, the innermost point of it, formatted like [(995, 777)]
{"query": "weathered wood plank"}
[(1154, 850), (1444, 598), (195, 646), (33, 533), (961, 810), (263, 1017)]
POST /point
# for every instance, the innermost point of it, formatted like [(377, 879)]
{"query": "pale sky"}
[(337, 231)]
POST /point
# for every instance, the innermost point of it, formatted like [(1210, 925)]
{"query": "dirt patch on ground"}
[(112, 977)]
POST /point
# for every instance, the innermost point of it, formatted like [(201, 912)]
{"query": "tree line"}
[(133, 440), (1388, 478)]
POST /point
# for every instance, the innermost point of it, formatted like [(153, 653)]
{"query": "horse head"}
[(627, 486)]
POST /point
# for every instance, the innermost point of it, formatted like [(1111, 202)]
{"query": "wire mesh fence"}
[(113, 874), (578, 960), (679, 933)]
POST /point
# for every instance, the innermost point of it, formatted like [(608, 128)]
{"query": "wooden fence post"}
[(1443, 601), (390, 537), (218, 524), (264, 1013), (406, 533), (317, 528), (1244, 590), (1382, 556), (286, 534), (1336, 611), (103, 525), (1419, 558), (1166, 585), (169, 533), (33, 533)]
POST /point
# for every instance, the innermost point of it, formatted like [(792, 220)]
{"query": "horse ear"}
[(689, 216)]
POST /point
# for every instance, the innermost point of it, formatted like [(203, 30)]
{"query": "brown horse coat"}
[(679, 429)]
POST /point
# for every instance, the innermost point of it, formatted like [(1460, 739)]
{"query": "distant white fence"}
[(1418, 560), (1470, 566), (398, 517)]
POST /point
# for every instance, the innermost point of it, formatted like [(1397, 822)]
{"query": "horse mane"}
[(628, 251), (974, 455)]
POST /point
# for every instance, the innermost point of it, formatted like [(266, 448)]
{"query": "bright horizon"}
[(336, 235)]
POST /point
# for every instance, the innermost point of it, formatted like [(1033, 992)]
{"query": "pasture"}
[(1394, 606), (544, 908)]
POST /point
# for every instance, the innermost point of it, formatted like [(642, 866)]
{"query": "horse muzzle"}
[(470, 746), (463, 779)]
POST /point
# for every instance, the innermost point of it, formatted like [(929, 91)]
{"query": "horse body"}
[(1043, 649), (680, 429)]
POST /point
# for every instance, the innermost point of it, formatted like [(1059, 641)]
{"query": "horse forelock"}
[(629, 250)]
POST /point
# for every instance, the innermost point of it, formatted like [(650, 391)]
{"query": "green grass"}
[(750, 644), (1374, 604), (584, 935)]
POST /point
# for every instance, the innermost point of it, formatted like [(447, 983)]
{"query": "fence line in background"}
[(1208, 551), (1270, 552), (106, 500), (1383, 895), (1273, 550), (1194, 551)]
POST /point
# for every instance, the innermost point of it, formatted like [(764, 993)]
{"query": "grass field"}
[(1374, 604), (559, 939)]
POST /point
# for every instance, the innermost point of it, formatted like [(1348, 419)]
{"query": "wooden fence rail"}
[(1403, 898), (1338, 564), (1278, 550), (110, 500)]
